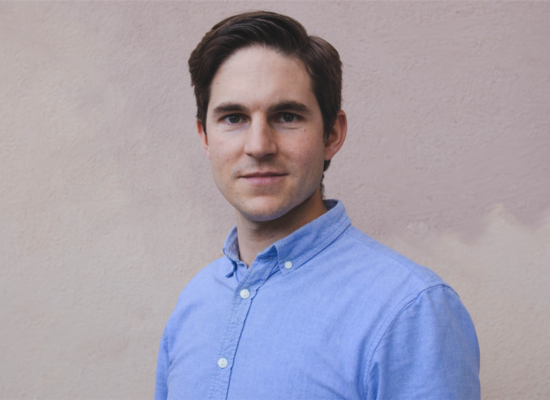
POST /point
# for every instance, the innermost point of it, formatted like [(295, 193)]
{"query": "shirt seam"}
[(164, 340)]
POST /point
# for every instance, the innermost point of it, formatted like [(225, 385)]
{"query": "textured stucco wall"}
[(107, 207)]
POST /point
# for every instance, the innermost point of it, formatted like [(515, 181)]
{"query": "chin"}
[(262, 215), (264, 212)]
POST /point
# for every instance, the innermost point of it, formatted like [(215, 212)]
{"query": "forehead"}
[(259, 77)]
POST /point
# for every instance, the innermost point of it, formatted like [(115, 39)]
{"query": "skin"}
[(265, 145)]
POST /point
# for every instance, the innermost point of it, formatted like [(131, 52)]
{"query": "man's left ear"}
[(337, 135)]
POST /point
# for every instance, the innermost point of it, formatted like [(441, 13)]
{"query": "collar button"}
[(288, 264)]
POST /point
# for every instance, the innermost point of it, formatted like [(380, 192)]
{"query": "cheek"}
[(310, 156), (221, 153)]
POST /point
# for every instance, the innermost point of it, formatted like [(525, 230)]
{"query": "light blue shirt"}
[(325, 313)]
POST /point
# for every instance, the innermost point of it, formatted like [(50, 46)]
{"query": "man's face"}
[(264, 134)]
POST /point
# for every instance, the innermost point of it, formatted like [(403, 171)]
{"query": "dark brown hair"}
[(282, 34)]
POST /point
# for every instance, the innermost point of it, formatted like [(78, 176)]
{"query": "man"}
[(303, 305)]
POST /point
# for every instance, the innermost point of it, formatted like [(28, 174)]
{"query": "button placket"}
[(241, 303), (239, 311)]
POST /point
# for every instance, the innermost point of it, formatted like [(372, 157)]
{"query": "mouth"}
[(263, 178)]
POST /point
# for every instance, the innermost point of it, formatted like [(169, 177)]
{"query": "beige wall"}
[(107, 207)]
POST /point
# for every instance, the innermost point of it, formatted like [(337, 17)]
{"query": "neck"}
[(255, 236)]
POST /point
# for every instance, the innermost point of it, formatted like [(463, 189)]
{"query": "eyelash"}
[(295, 116), (226, 118), (278, 119)]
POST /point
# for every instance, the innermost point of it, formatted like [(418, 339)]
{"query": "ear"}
[(203, 137), (337, 135)]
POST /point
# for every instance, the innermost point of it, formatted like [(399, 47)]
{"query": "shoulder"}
[(422, 329), (205, 280), (377, 278), (209, 275), (374, 264), (200, 294)]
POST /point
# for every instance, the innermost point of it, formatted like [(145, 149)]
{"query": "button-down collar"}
[(300, 246)]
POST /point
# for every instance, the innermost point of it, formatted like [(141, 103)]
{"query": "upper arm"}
[(430, 351)]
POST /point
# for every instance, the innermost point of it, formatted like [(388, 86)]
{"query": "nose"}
[(260, 139)]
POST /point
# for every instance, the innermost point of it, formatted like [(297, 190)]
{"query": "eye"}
[(288, 117), (233, 119)]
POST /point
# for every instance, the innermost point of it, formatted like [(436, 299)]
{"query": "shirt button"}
[(245, 294), (288, 265), (222, 363)]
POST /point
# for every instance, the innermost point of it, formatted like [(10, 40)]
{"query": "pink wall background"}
[(107, 206)]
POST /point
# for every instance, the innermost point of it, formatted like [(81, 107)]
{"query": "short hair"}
[(284, 35)]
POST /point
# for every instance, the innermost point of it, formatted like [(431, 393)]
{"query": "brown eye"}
[(289, 117)]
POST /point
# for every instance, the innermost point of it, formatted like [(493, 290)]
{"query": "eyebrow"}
[(228, 108), (288, 106), (225, 108)]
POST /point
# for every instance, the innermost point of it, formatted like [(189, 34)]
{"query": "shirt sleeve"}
[(430, 351), (161, 385)]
